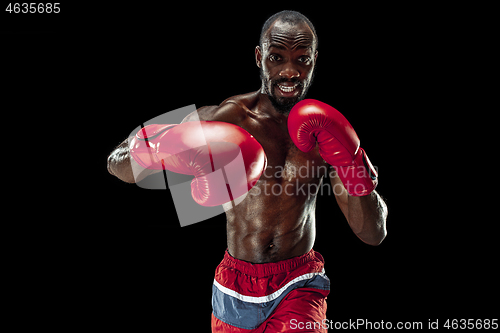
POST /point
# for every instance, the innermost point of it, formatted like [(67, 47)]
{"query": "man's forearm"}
[(367, 216), (123, 166), (119, 163)]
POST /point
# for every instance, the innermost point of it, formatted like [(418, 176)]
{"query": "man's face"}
[(286, 60)]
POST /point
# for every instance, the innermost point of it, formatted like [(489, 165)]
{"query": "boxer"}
[(270, 276)]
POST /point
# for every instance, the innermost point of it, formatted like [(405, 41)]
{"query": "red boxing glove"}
[(143, 146), (310, 121), (224, 158)]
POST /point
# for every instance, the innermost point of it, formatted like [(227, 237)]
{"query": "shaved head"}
[(289, 18)]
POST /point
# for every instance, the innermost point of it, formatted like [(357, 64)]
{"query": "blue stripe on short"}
[(250, 312)]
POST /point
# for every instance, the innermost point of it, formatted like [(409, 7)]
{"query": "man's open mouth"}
[(287, 88)]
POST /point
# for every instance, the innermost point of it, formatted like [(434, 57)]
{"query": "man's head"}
[(286, 57)]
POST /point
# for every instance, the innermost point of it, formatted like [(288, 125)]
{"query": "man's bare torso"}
[(276, 220)]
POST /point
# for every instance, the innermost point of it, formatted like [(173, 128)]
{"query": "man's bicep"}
[(203, 113), (226, 112)]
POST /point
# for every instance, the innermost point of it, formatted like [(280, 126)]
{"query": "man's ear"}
[(258, 56), (315, 55)]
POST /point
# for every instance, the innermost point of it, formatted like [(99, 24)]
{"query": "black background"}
[(108, 254)]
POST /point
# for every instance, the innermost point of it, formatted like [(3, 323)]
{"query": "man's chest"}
[(285, 162)]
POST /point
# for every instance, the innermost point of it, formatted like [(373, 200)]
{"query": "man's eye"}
[(305, 60), (274, 57)]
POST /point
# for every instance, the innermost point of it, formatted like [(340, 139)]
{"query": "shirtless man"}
[(270, 279)]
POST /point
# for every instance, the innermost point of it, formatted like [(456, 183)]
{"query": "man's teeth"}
[(287, 89)]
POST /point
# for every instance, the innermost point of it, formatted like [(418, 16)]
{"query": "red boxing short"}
[(283, 296)]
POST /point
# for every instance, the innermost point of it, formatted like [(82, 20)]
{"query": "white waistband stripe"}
[(268, 298)]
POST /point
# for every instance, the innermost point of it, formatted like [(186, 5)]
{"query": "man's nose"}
[(289, 72)]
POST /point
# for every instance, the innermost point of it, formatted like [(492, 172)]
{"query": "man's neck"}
[(267, 108)]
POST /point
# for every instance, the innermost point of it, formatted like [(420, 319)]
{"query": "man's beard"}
[(284, 104)]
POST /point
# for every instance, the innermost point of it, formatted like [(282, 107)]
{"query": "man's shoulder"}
[(237, 107), (244, 101), (232, 110)]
